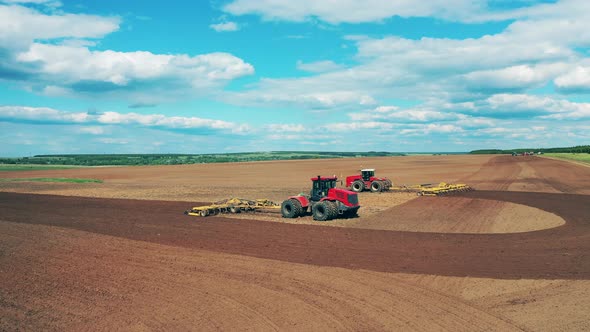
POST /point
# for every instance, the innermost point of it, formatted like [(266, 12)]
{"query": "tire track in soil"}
[(180, 289), (561, 252)]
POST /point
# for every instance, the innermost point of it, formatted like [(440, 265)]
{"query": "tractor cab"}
[(367, 174), (321, 186)]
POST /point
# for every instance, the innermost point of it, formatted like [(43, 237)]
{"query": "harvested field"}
[(513, 255)]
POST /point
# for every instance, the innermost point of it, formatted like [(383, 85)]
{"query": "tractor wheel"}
[(351, 214), (203, 213), (332, 208), (376, 186), (234, 209), (321, 211), (357, 186), (291, 208)]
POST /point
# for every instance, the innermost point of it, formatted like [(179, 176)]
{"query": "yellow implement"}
[(443, 189), (430, 189), (232, 205)]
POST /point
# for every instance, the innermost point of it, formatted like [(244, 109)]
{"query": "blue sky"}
[(259, 75)]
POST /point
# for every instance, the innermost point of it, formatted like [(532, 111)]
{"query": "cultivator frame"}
[(433, 189), (233, 205)]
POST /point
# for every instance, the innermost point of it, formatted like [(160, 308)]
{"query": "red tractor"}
[(325, 201), (367, 181)]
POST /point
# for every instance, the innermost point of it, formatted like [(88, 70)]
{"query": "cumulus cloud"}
[(318, 66), (351, 11), (45, 54), (20, 26), (95, 130), (427, 129), (308, 94), (53, 116), (507, 106), (397, 115), (575, 80), (70, 65), (518, 77), (37, 2), (225, 26), (280, 128), (357, 126), (540, 47), (41, 115)]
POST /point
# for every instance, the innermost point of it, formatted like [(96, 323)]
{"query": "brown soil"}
[(211, 182), (78, 263)]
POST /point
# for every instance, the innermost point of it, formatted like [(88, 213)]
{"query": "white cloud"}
[(108, 140), (37, 2), (41, 114), (514, 77), (397, 115), (352, 11), (318, 66), (577, 79), (45, 54), (308, 94), (49, 115), (20, 26), (280, 128), (225, 26), (541, 107), (530, 53), (431, 128), (95, 130), (77, 64), (356, 126)]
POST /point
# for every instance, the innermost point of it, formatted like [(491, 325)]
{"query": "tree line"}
[(573, 149), (179, 159)]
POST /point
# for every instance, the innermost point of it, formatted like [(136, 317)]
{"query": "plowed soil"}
[(512, 255)]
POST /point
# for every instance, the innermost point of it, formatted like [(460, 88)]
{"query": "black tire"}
[(203, 213), (332, 209), (303, 212), (350, 213), (234, 209), (388, 184), (321, 211), (376, 186), (291, 208), (357, 186)]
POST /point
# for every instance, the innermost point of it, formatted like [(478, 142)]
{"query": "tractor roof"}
[(368, 170), (324, 178)]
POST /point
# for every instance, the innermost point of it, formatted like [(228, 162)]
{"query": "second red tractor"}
[(367, 181)]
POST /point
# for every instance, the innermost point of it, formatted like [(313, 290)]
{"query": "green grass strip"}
[(68, 180), (17, 168), (580, 157)]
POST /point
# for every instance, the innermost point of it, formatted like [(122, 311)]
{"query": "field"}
[(512, 255), (69, 180), (579, 157)]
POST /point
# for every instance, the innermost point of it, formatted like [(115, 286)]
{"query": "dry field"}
[(120, 255)]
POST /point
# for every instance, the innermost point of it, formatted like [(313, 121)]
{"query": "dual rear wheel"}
[(357, 186), (376, 186), (321, 211), (324, 210), (291, 208)]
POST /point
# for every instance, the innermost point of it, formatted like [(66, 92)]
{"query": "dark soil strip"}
[(562, 252)]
